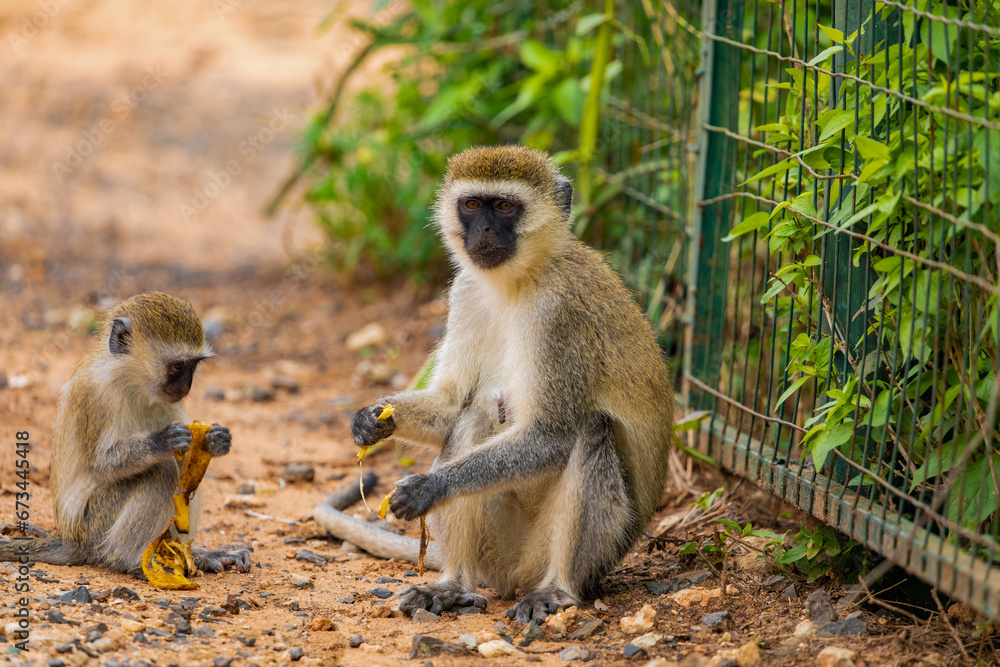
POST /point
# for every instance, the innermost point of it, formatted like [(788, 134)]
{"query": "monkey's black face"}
[(490, 224), (178, 375)]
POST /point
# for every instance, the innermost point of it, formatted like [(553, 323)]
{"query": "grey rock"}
[(425, 646), (633, 651), (659, 587), (587, 628), (55, 662), (249, 642), (183, 626), (571, 653), (532, 631), (776, 582), (55, 616), (789, 593), (204, 632), (222, 662), (123, 593), (388, 580), (79, 595), (455, 649), (298, 472), (688, 579), (356, 641), (424, 616), (296, 654), (852, 625), (261, 395), (383, 593), (467, 610), (286, 382), (718, 620), (819, 608), (311, 557), (411, 573)]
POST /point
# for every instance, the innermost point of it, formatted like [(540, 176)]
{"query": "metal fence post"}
[(718, 105)]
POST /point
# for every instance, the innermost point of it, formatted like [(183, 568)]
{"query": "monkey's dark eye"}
[(504, 205), (473, 204), (177, 367)]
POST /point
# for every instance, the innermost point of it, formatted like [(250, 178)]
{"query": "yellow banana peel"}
[(385, 414), (168, 560)]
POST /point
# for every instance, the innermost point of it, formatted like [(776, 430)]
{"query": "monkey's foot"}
[(438, 597), (536, 606), (217, 561)]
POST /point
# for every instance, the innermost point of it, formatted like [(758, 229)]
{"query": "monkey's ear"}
[(121, 336), (564, 195)]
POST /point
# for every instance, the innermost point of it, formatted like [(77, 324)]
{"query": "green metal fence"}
[(813, 198)]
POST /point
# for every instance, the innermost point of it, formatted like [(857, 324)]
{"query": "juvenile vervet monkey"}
[(119, 427), (550, 401)]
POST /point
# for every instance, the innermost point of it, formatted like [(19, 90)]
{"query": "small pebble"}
[(424, 616), (298, 472), (356, 641)]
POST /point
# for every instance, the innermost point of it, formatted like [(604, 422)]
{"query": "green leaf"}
[(589, 22), (779, 168), (836, 36), (829, 440), (536, 56), (567, 98), (880, 411), (750, 224), (812, 260), (826, 53), (871, 149), (863, 213), (792, 388), (835, 122), (692, 420), (697, 456), (803, 204), (530, 89), (940, 460)]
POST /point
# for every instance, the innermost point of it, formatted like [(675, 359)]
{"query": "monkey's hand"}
[(218, 440), (368, 429), (174, 439), (415, 495)]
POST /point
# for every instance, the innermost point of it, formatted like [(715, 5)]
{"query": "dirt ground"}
[(140, 142)]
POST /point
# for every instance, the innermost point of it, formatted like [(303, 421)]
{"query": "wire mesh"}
[(843, 270), (647, 131)]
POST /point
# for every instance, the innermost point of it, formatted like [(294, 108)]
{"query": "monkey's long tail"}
[(49, 550), (374, 540)]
